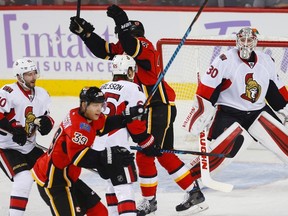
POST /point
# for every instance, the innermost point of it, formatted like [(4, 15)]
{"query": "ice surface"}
[(260, 183)]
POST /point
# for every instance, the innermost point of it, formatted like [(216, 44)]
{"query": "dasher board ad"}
[(44, 36)]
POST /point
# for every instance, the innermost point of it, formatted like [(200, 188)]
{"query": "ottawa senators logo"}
[(252, 90), (29, 122)]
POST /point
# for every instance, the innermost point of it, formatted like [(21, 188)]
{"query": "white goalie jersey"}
[(16, 105), (244, 84), (116, 93)]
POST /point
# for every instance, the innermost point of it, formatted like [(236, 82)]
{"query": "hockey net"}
[(194, 58)]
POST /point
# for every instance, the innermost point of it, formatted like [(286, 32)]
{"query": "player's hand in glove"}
[(117, 156), (118, 14), (80, 27), (45, 124), (149, 147), (19, 134), (131, 113)]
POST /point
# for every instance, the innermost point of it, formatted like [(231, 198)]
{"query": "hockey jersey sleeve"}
[(213, 81), (101, 48), (277, 94)]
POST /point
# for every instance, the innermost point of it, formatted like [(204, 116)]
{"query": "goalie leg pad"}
[(271, 134), (223, 144), (199, 116)]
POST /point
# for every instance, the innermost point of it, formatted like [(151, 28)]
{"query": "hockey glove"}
[(80, 27), (19, 134), (149, 147), (131, 113), (118, 14), (45, 124), (117, 156)]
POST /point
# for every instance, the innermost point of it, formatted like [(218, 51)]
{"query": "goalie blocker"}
[(199, 116)]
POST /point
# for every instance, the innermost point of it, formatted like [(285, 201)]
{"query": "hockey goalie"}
[(240, 95)]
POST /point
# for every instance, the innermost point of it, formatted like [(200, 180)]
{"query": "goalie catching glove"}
[(80, 27), (200, 116), (45, 124)]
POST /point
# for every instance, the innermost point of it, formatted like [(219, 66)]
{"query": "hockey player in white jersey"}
[(242, 86), (24, 109), (119, 93)]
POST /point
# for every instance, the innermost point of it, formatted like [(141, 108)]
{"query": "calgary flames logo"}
[(253, 89)]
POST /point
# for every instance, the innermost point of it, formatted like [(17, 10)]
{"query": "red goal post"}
[(195, 57)]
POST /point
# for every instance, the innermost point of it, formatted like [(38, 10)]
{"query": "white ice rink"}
[(260, 183)]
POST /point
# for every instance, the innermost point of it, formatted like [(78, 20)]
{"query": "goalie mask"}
[(124, 65), (246, 41)]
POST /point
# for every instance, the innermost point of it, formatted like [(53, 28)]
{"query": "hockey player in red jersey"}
[(243, 87), (121, 90), (57, 171), (162, 109), (24, 109)]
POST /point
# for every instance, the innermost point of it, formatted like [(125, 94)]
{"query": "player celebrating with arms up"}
[(57, 171), (246, 90), (162, 109), (24, 109)]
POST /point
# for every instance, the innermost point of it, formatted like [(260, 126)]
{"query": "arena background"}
[(42, 34)]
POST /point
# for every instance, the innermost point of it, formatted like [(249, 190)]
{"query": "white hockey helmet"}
[(121, 65), (246, 41), (24, 65)]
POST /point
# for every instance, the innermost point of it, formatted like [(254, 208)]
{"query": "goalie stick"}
[(205, 167), (231, 154), (162, 74)]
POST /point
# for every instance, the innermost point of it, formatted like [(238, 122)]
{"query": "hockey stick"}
[(78, 8), (231, 154), (205, 167), (162, 74)]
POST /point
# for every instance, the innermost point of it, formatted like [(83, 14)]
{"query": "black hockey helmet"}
[(136, 29), (92, 95)]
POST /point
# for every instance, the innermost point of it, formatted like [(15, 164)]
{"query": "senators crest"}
[(252, 90)]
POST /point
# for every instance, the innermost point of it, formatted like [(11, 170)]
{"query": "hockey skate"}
[(193, 203), (146, 207)]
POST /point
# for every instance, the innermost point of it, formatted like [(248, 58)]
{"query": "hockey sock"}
[(20, 192)]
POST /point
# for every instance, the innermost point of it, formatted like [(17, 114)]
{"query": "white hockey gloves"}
[(200, 115)]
